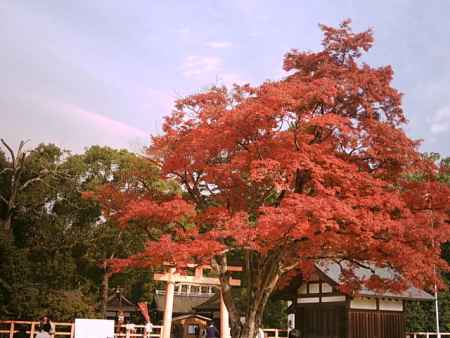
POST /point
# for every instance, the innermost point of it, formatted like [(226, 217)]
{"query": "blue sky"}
[(77, 73)]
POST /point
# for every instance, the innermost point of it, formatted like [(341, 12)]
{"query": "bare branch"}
[(27, 183), (11, 152), (5, 170), (4, 199)]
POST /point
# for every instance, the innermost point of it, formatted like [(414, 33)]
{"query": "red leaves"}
[(342, 43), (157, 213), (315, 165)]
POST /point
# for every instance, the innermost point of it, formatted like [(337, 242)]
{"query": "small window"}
[(193, 329), (205, 289), (314, 288), (303, 289), (326, 288)]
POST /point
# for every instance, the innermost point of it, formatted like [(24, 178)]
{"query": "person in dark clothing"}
[(294, 333), (21, 332), (212, 332)]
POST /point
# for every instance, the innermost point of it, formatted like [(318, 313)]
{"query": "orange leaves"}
[(342, 43), (313, 165), (155, 213)]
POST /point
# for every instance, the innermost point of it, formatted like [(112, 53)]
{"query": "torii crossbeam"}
[(171, 277)]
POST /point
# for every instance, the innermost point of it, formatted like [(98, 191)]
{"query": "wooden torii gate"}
[(171, 277)]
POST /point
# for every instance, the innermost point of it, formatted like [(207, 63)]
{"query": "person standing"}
[(44, 331), (261, 333), (212, 332), (52, 327), (148, 329), (46, 320)]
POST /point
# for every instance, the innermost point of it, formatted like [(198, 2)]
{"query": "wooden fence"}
[(9, 327), (275, 333), (139, 331), (426, 334), (66, 330)]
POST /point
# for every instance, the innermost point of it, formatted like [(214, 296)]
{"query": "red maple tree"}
[(315, 165)]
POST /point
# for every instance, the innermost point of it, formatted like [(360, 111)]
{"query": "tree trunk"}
[(263, 277), (105, 291), (7, 222)]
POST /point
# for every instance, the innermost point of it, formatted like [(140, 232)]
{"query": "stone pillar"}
[(224, 320), (168, 304)]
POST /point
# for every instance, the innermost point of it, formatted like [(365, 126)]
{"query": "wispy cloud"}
[(219, 44), (88, 127), (194, 66), (102, 123), (440, 121)]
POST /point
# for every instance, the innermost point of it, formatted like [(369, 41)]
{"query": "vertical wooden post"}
[(168, 307), (72, 329), (32, 330), (11, 330), (224, 319), (276, 333)]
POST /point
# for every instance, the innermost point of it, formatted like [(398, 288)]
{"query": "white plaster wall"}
[(333, 299), (391, 305), (363, 303)]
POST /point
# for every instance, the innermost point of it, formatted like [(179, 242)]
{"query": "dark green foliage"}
[(51, 260), (420, 316), (275, 314)]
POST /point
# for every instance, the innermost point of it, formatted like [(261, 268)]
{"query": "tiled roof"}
[(181, 303), (212, 304), (333, 271)]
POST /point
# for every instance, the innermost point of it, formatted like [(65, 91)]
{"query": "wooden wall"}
[(321, 321), (376, 324)]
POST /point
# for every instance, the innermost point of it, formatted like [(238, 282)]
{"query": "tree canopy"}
[(54, 242), (315, 165)]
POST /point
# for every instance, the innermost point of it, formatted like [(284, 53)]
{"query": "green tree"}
[(58, 238)]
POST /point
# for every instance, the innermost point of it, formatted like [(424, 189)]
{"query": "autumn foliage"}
[(315, 165)]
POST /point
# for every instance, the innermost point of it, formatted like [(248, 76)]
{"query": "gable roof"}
[(333, 272), (118, 302), (190, 316)]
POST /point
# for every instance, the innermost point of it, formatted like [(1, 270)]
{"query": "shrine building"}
[(321, 311)]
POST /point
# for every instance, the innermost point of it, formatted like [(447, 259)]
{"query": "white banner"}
[(94, 328)]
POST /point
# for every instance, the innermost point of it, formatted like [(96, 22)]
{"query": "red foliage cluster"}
[(314, 165)]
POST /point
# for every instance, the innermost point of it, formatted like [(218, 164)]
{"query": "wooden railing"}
[(426, 334), (276, 333), (139, 332), (66, 330), (9, 327)]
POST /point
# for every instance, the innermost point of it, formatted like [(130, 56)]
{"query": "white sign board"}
[(94, 328)]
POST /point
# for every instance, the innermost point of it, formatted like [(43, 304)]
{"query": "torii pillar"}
[(171, 278), (224, 319), (168, 303)]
